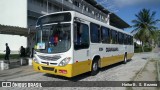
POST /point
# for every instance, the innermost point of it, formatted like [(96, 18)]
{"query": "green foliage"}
[(138, 48), (144, 25), (146, 49), (157, 38)]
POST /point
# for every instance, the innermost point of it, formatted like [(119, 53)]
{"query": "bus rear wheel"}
[(94, 68), (125, 59)]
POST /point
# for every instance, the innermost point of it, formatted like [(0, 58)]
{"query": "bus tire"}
[(125, 58), (95, 67)]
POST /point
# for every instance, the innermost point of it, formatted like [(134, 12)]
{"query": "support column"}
[(108, 18), (31, 42)]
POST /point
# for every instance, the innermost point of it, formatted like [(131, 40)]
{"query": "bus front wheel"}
[(94, 68)]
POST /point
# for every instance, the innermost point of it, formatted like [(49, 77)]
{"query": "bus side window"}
[(105, 36), (131, 40), (95, 33), (125, 39), (81, 36), (114, 37), (120, 38)]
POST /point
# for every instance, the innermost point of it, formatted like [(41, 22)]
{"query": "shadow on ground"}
[(16, 64)]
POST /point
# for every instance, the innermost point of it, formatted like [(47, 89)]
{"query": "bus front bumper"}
[(56, 70)]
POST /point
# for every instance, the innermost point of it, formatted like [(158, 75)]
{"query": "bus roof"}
[(87, 18)]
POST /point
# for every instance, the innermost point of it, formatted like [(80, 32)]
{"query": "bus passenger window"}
[(125, 39), (105, 35), (120, 38), (95, 33), (114, 37), (81, 36), (131, 40)]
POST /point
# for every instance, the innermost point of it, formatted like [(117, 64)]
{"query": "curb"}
[(158, 76), (140, 70)]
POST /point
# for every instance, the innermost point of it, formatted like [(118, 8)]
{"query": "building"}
[(18, 17)]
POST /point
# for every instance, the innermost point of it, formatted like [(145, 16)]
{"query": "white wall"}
[(13, 12), (14, 42)]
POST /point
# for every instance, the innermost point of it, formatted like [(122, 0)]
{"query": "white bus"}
[(70, 43)]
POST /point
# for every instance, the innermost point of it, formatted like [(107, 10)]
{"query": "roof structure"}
[(114, 19), (14, 30)]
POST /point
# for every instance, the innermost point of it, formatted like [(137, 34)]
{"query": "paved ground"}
[(117, 72), (16, 70), (148, 73)]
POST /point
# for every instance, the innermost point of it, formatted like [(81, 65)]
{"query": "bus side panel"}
[(81, 67), (105, 61), (81, 62), (130, 51)]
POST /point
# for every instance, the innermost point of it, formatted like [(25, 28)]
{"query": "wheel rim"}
[(125, 59), (95, 67)]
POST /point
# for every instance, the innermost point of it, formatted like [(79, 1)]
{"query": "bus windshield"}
[(55, 38)]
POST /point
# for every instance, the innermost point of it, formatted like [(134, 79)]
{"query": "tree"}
[(145, 26), (157, 38)]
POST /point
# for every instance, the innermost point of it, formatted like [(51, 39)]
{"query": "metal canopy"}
[(13, 30), (114, 19)]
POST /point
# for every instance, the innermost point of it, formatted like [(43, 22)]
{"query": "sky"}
[(126, 9)]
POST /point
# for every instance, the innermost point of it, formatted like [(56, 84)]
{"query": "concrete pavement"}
[(16, 70)]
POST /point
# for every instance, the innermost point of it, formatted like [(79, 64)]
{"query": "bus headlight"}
[(64, 62), (35, 60)]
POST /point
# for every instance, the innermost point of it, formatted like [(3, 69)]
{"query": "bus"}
[(69, 43)]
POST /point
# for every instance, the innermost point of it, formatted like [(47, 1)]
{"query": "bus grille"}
[(48, 68), (54, 58), (50, 63)]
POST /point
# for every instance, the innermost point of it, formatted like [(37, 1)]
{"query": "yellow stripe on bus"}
[(79, 67), (113, 59), (72, 69)]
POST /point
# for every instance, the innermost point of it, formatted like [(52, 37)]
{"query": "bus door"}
[(81, 47)]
